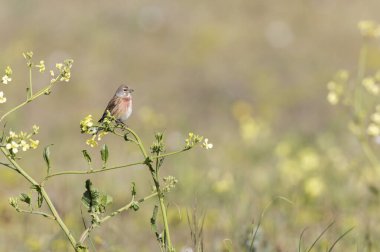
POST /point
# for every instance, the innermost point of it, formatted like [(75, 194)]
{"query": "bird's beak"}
[(131, 90)]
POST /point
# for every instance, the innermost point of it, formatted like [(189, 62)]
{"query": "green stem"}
[(30, 83), (39, 93), (165, 219), (58, 218), (139, 142), (169, 154), (91, 171), (37, 213), (86, 233), (44, 195)]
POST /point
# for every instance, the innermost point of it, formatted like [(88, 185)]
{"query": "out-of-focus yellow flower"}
[(224, 184), (371, 86), (34, 143), (206, 144), (314, 187), (2, 98), (332, 98), (373, 130), (369, 29)]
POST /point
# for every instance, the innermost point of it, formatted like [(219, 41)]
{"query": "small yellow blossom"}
[(41, 67), (12, 134), (35, 129), (6, 79), (92, 142), (206, 144), (12, 146), (101, 135), (2, 98), (34, 143), (25, 146), (51, 73)]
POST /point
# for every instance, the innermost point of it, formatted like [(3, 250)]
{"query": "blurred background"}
[(249, 75)]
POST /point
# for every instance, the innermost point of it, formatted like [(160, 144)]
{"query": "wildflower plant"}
[(97, 202), (359, 94)]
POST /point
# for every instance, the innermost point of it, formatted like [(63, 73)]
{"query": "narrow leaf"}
[(104, 153), (86, 156), (46, 155), (25, 198)]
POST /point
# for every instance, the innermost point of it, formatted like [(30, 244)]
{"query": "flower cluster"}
[(369, 29), (5, 80), (87, 126), (7, 76), (336, 87), (22, 140), (64, 71), (371, 84), (41, 67), (170, 183), (373, 128), (194, 139)]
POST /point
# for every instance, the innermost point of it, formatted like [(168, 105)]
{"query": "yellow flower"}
[(13, 146), (35, 129), (24, 145), (373, 130), (2, 98), (206, 144), (332, 98), (34, 143), (314, 187), (369, 29), (6, 79), (92, 142), (371, 86)]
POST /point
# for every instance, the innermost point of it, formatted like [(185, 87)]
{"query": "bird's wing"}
[(110, 107)]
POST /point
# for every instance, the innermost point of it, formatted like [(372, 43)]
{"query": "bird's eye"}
[(125, 90)]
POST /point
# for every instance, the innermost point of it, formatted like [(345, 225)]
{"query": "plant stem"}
[(30, 93), (91, 171), (58, 218), (86, 233), (31, 98), (139, 142), (37, 213), (46, 197)]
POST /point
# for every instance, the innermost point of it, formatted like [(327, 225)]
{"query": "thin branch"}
[(88, 230), (91, 171), (46, 215)]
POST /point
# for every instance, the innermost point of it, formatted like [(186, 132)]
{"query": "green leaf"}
[(25, 198), (94, 200), (40, 199), (104, 154), (46, 155), (135, 206), (86, 156)]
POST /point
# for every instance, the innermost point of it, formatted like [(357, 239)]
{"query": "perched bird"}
[(120, 106)]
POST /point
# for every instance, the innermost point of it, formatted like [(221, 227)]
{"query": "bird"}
[(120, 106)]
